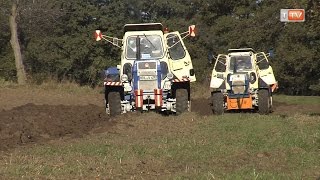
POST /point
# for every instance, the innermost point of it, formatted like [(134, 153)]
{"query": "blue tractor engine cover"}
[(111, 74)]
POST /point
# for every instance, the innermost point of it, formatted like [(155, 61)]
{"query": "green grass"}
[(301, 100), (233, 146)]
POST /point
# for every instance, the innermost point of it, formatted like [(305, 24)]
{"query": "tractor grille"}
[(238, 83), (148, 76), (148, 85), (238, 87)]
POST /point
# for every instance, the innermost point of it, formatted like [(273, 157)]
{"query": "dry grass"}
[(50, 84), (51, 93)]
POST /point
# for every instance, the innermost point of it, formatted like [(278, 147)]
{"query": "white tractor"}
[(242, 80), (155, 70)]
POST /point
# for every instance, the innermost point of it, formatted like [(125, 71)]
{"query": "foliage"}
[(57, 36)]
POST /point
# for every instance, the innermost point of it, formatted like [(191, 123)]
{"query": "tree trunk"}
[(21, 74)]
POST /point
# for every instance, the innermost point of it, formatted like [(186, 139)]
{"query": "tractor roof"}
[(241, 50), (143, 27)]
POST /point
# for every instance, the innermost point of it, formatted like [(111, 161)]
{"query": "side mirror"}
[(98, 35), (192, 30), (112, 40)]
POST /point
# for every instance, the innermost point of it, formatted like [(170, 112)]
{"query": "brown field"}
[(36, 116)]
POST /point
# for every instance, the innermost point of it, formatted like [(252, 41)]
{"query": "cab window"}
[(151, 47), (262, 62), (240, 63), (176, 50)]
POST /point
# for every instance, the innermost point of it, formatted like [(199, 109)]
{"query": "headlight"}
[(127, 88), (124, 78), (170, 76), (253, 77)]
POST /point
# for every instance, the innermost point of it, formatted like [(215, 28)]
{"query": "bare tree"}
[(21, 73), (33, 14)]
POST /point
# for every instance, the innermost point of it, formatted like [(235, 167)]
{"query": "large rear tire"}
[(181, 101), (114, 103), (264, 101), (217, 103)]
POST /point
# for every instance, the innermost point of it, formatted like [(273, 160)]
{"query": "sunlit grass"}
[(310, 100), (233, 146)]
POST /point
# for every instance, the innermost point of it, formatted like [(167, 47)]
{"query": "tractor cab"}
[(240, 72)]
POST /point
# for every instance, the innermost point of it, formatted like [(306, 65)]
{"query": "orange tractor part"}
[(239, 103)]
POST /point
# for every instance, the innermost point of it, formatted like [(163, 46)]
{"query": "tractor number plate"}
[(148, 78), (237, 78)]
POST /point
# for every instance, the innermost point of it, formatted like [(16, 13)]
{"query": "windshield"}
[(150, 47), (240, 63)]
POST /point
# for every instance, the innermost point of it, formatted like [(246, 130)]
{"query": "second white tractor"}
[(242, 80)]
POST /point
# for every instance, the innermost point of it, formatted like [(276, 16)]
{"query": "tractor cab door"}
[(264, 69), (179, 58), (219, 71), (220, 65)]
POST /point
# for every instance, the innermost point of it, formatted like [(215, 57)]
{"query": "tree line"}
[(53, 39)]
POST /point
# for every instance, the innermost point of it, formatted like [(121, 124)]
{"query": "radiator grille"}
[(238, 87), (148, 76), (148, 85)]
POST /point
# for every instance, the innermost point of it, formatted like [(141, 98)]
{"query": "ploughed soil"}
[(33, 116), (32, 123), (29, 116)]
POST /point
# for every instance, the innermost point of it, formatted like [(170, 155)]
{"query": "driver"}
[(241, 65), (145, 46), (244, 64)]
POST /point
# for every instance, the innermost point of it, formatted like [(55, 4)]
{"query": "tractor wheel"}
[(264, 101), (217, 103), (114, 103), (181, 101)]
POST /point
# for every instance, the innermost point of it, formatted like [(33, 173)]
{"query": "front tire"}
[(217, 103), (181, 101), (114, 103), (264, 101)]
